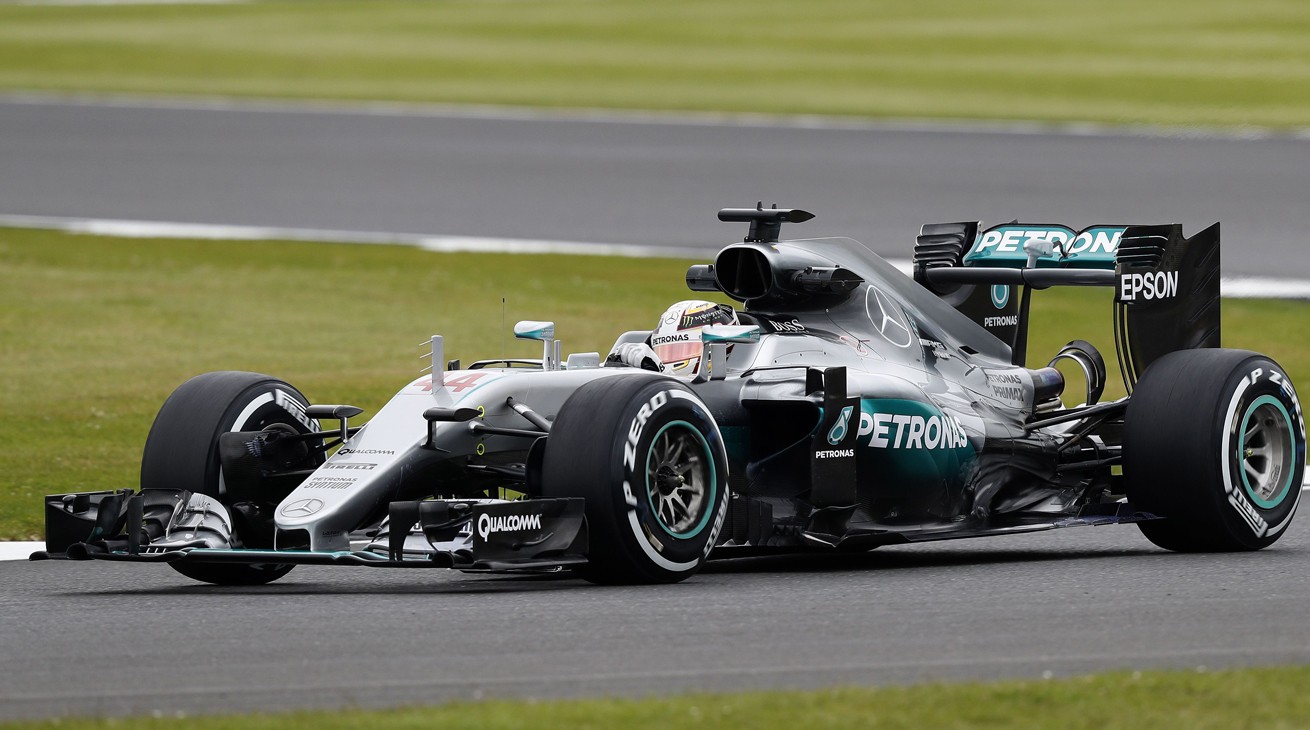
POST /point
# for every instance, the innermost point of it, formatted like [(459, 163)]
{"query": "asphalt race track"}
[(634, 182), (84, 638)]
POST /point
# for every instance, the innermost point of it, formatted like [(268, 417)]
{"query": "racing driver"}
[(674, 346)]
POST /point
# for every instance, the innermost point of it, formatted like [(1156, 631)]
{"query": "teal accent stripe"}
[(1241, 452), (714, 482)]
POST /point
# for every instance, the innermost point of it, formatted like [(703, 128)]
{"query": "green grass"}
[(1169, 62), (1266, 698), (96, 332)]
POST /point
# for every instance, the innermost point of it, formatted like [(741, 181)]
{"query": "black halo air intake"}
[(760, 273), (760, 269), (743, 273)]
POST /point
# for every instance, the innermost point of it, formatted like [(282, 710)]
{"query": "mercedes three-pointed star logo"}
[(887, 318), (302, 508)]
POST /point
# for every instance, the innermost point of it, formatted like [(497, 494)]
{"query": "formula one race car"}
[(849, 406)]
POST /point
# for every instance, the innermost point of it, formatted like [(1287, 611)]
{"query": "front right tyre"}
[(646, 455), (1215, 443)]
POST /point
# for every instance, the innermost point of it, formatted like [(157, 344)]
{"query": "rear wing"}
[(1166, 286)]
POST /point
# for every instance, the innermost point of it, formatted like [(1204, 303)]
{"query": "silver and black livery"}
[(853, 407)]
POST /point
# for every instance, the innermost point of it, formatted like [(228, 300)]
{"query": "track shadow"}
[(884, 560), (817, 562), (419, 586)]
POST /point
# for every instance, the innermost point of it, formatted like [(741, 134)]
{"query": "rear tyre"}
[(648, 458), (1214, 442), (182, 449)]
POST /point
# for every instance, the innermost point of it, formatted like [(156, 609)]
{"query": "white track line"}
[(10, 551), (443, 244), (1256, 287), (1238, 287), (493, 112), (19, 550)]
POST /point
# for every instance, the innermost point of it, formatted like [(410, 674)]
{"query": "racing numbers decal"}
[(456, 383), (463, 382), (422, 385)]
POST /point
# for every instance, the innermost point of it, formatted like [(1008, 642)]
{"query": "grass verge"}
[(97, 332), (1170, 62), (1249, 698)]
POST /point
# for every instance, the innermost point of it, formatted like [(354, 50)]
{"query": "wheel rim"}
[(1265, 451), (680, 479)]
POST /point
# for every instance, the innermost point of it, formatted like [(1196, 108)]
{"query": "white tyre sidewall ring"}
[(634, 485), (1260, 381)]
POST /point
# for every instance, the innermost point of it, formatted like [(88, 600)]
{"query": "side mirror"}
[(545, 332), (714, 347), (529, 330), (730, 333)]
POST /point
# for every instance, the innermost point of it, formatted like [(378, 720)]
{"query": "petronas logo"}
[(838, 431)]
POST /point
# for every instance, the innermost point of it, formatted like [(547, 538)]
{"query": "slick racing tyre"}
[(182, 449), (1214, 442), (647, 456)]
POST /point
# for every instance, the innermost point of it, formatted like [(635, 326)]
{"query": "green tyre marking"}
[(709, 499), (1241, 448)]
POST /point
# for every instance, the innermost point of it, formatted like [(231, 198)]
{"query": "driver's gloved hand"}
[(636, 355)]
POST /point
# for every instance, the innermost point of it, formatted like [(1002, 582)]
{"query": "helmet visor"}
[(675, 352)]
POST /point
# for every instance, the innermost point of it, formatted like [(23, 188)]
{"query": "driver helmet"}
[(676, 340)]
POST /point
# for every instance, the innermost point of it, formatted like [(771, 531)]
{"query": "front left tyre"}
[(181, 451)]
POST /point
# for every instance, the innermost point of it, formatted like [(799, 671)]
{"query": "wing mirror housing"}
[(714, 348), (545, 333)]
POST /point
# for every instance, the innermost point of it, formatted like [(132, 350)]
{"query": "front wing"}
[(173, 526)]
